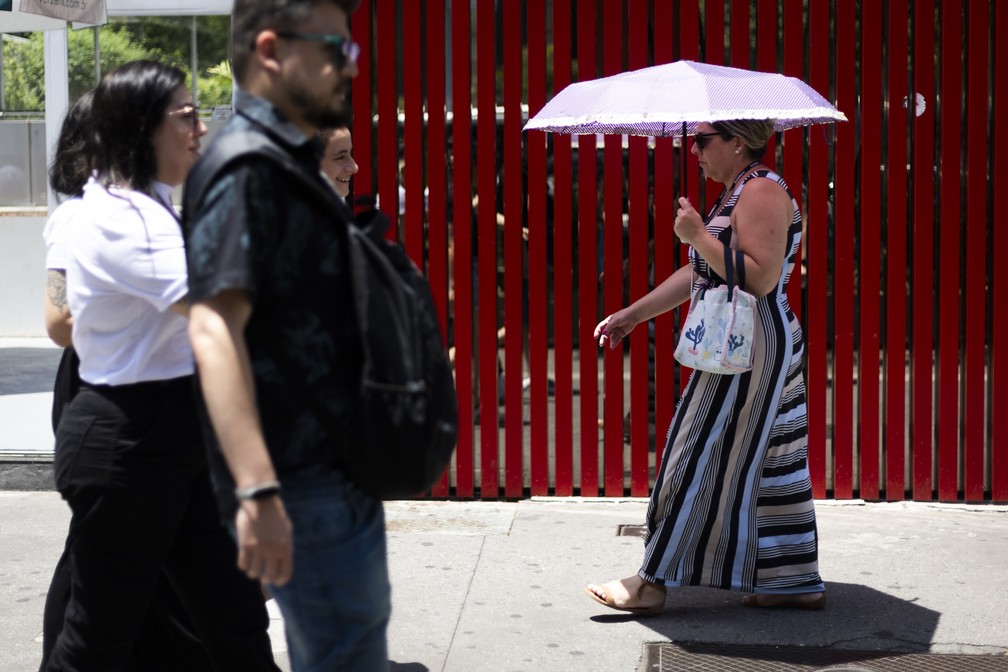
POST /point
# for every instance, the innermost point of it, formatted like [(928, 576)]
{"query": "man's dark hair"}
[(129, 104), (71, 167), (250, 17)]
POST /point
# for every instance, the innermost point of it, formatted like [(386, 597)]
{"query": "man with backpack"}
[(276, 338)]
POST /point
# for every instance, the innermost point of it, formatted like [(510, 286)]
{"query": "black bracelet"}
[(260, 491)]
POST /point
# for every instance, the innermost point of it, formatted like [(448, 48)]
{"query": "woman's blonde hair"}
[(754, 133)]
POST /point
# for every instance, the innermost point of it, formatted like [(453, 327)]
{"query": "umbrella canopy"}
[(671, 99)]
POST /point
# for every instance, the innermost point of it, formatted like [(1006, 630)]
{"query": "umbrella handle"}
[(682, 170)]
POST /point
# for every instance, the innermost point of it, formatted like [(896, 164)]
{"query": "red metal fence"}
[(900, 290)]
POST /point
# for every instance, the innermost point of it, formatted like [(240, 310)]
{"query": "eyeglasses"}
[(345, 52), (190, 112), (701, 139)]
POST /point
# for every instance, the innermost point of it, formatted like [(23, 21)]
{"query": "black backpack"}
[(399, 438)]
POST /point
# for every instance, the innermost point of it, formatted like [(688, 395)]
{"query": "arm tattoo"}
[(56, 289)]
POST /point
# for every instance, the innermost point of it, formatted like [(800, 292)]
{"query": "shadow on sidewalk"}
[(856, 617)]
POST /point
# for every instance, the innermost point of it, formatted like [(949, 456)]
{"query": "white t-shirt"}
[(125, 267), (55, 233)]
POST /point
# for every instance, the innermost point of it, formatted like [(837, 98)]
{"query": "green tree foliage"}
[(167, 39), (24, 71), (215, 86)]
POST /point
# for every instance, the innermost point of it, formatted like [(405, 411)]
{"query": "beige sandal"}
[(647, 599)]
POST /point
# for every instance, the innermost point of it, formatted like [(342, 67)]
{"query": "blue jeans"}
[(336, 607)]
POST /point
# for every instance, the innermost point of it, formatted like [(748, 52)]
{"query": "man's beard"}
[(322, 111)]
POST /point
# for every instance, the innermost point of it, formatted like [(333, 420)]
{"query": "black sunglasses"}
[(701, 139), (345, 52)]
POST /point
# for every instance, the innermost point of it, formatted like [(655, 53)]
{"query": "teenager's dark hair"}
[(250, 17), (71, 167), (129, 103)]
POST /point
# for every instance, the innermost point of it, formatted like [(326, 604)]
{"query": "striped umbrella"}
[(671, 99)]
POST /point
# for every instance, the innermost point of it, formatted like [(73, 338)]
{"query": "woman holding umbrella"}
[(732, 505)]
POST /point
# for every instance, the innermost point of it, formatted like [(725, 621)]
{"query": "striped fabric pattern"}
[(732, 505)]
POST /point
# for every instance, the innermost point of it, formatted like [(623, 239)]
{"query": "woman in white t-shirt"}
[(168, 639), (129, 456)]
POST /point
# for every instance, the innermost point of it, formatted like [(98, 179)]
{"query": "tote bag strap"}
[(740, 268), (729, 273)]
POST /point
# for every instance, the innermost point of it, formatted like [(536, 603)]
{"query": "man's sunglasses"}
[(190, 112), (701, 139), (345, 52)]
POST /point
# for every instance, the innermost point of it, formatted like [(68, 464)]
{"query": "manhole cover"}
[(631, 530), (670, 657)]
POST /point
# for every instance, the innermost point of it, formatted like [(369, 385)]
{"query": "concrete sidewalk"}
[(497, 586)]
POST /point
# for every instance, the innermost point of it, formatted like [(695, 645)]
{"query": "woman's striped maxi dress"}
[(732, 505)]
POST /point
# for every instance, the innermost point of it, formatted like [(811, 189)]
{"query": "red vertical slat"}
[(637, 39), (513, 223), (715, 53), (714, 46), (587, 270), (462, 244), (976, 243), (487, 246), (388, 112), (766, 56), (948, 334), (818, 234), (766, 59), (665, 162), (740, 34), (766, 30), (539, 404), (437, 217), (360, 26), (923, 252), (896, 258), (437, 199), (689, 179), (563, 262), (701, 191), (870, 268), (413, 133), (999, 372), (843, 253), (613, 262), (792, 142)]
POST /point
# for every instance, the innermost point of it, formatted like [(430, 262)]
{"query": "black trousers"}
[(167, 640), (130, 462)]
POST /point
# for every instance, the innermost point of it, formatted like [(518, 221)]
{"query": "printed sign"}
[(84, 11)]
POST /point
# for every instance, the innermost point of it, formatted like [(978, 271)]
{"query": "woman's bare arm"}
[(58, 321)]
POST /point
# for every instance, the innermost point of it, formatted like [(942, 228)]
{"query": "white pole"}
[(194, 62), (3, 102), (57, 87), (97, 56)]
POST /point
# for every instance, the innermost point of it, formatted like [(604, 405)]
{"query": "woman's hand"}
[(688, 222), (615, 327)]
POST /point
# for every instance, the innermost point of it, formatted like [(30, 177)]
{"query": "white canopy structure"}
[(56, 52)]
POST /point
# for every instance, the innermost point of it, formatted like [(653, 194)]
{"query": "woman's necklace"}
[(726, 192)]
